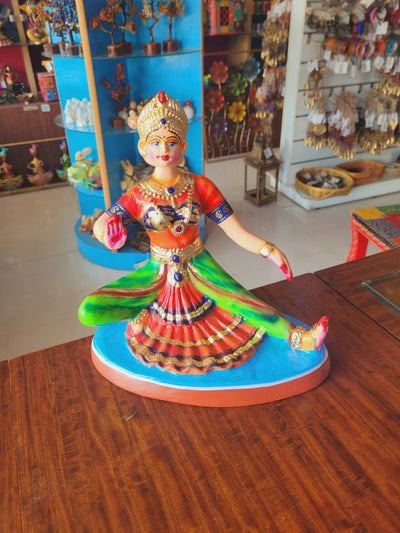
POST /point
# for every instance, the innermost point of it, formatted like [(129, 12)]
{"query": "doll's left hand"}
[(281, 261)]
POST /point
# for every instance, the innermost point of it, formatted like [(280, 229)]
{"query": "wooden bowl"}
[(363, 171)]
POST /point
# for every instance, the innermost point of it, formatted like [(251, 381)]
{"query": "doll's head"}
[(162, 126), (162, 112)]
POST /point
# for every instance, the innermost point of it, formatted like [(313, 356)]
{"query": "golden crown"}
[(162, 112)]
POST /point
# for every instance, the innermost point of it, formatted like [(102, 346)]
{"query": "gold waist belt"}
[(176, 256)]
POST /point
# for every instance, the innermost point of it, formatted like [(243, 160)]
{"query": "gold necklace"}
[(153, 191)]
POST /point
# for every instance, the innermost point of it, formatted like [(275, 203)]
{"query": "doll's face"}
[(162, 148)]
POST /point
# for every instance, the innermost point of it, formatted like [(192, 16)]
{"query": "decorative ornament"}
[(8, 180), (117, 15), (65, 161), (172, 9), (119, 90), (40, 176)]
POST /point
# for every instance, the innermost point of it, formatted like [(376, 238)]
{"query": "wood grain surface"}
[(9, 499), (346, 279), (95, 458)]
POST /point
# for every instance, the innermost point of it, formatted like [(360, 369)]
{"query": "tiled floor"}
[(44, 278)]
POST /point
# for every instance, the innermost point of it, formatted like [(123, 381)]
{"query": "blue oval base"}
[(274, 372)]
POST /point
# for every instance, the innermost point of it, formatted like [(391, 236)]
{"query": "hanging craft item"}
[(313, 86), (342, 126), (380, 122), (317, 133), (276, 34)]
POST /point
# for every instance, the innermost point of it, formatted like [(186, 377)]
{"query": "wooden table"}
[(80, 455), (346, 280)]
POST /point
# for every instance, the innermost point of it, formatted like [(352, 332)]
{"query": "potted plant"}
[(129, 9), (65, 23), (46, 9), (151, 14), (173, 9), (118, 14), (119, 90)]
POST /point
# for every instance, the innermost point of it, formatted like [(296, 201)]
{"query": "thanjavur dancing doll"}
[(185, 313)]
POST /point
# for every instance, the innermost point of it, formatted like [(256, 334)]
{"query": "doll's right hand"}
[(115, 234)]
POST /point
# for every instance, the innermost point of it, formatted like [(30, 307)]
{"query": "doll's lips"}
[(165, 157)]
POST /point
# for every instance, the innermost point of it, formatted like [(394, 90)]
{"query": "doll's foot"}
[(300, 339)]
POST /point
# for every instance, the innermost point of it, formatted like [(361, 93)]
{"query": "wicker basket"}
[(392, 170), (363, 171), (316, 193)]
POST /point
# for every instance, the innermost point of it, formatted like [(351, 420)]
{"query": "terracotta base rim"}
[(217, 397)]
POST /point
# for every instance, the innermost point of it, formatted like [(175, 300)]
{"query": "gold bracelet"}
[(266, 249)]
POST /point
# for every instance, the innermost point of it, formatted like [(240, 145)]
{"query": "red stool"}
[(379, 225)]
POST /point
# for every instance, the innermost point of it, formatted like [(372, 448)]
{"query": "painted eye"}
[(172, 144), (155, 143)]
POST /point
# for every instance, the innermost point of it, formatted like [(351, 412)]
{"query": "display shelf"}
[(361, 192), (178, 73), (27, 124), (59, 120), (303, 43), (138, 53), (30, 188)]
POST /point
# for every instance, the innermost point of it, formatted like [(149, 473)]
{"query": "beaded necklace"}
[(153, 191)]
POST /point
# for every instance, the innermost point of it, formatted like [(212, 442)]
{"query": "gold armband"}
[(266, 249)]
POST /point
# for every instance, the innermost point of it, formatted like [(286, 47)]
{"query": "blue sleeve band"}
[(221, 212), (118, 209)]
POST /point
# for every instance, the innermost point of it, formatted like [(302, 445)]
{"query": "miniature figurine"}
[(40, 176), (5, 16), (78, 112), (185, 314), (79, 171), (36, 31), (87, 221), (4, 40), (188, 109), (130, 177), (8, 180), (65, 161)]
